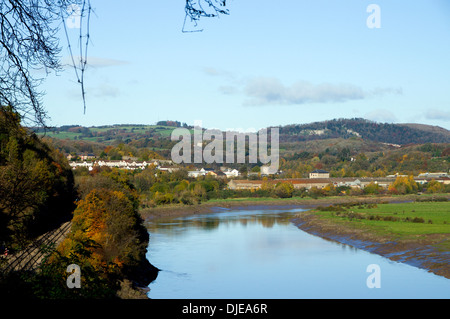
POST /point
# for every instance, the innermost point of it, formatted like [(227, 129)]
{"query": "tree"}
[(195, 10), (284, 190), (36, 182), (403, 185), (329, 190), (266, 185), (372, 188), (28, 42), (435, 187)]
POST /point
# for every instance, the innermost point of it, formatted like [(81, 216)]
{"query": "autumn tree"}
[(373, 188), (404, 185), (110, 233), (284, 189), (434, 187)]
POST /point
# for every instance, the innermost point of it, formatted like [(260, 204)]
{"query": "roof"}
[(293, 181), (314, 180), (319, 171)]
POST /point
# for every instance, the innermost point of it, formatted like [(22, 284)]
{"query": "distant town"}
[(317, 178)]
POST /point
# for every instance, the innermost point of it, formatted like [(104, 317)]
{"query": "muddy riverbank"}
[(421, 254)]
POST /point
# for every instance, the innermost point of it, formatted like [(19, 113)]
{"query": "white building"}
[(319, 173), (433, 175), (201, 172), (119, 164), (231, 172)]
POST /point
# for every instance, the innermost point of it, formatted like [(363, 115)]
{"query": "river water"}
[(258, 253)]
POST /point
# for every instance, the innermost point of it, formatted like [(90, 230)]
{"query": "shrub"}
[(284, 190)]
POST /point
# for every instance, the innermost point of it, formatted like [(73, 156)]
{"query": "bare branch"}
[(194, 10)]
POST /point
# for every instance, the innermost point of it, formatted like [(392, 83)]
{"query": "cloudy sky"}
[(266, 63)]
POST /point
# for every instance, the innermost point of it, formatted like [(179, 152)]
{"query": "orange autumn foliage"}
[(109, 219)]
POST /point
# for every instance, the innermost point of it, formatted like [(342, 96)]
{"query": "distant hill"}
[(109, 134), (427, 128), (355, 145), (400, 134), (356, 128)]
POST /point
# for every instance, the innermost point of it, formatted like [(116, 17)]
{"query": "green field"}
[(412, 220), (164, 131)]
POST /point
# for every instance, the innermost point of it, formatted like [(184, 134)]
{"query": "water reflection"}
[(259, 253), (212, 221)]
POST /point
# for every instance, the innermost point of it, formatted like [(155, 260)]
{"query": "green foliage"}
[(435, 187), (345, 128), (36, 183), (373, 188)]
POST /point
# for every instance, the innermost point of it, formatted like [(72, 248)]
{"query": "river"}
[(257, 253)]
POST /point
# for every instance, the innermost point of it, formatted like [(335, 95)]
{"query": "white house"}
[(231, 173), (319, 173), (169, 169), (120, 164), (201, 172), (194, 174)]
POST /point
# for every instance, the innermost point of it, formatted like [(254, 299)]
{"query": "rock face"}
[(142, 273)]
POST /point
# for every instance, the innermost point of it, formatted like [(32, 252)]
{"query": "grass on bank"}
[(429, 221)]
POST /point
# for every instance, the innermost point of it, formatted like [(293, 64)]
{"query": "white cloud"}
[(270, 90), (435, 114), (263, 90), (388, 90)]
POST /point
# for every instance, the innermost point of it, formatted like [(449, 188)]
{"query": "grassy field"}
[(399, 221), (164, 131)]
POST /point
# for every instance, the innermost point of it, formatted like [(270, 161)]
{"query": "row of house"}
[(124, 164), (132, 165), (320, 183)]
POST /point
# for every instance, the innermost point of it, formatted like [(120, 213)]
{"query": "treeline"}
[(36, 184), (380, 132), (346, 162), (108, 241), (38, 191), (158, 188)]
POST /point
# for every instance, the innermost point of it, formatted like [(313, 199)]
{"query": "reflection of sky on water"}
[(260, 254)]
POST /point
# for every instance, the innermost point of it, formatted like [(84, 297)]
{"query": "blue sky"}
[(264, 64)]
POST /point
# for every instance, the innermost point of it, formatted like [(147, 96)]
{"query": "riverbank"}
[(419, 252), (394, 231), (179, 210)]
